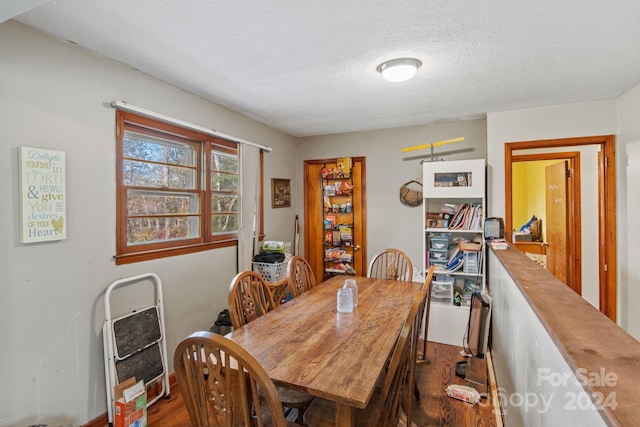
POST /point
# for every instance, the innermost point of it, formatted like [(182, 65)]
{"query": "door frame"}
[(574, 198), (607, 264)]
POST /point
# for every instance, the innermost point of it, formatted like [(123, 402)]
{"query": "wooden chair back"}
[(400, 379), (300, 276), (391, 264), (421, 323), (249, 297), (427, 309), (219, 382)]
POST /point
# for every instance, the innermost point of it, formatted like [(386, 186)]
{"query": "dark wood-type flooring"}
[(435, 408)]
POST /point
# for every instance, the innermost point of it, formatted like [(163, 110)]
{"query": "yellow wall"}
[(528, 192), (519, 192)]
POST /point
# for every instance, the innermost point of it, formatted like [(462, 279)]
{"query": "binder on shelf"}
[(476, 224), (454, 223), (467, 217), (456, 263)]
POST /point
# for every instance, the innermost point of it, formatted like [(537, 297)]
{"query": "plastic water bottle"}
[(351, 284), (345, 300)]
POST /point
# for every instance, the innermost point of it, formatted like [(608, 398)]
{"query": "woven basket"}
[(411, 193)]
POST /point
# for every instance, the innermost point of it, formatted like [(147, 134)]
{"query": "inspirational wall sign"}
[(43, 198)]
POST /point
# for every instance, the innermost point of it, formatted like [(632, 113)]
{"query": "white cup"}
[(345, 300)]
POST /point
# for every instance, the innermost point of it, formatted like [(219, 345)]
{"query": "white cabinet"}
[(457, 179), (453, 241)]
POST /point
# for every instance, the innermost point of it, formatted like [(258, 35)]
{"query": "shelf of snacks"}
[(338, 218)]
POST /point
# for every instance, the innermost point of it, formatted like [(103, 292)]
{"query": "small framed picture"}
[(280, 193)]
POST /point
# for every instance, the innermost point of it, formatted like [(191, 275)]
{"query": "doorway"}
[(314, 245), (606, 227), (547, 185)]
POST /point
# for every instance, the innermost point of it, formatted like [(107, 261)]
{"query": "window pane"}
[(160, 176), (224, 162), (152, 149), (224, 182), (161, 203), (161, 229), (224, 223), (224, 204), (178, 189), (225, 189)]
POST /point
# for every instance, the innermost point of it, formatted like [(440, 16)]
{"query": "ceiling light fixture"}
[(399, 70)]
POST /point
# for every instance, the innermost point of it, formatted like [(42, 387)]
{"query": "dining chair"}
[(388, 403), (422, 357), (422, 322), (300, 276), (392, 264), (250, 296), (218, 379)]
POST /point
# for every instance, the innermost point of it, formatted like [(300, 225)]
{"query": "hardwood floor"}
[(435, 408)]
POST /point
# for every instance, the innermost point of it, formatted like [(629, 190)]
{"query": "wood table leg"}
[(345, 415)]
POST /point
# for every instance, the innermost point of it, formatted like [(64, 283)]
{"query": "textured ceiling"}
[(309, 67)]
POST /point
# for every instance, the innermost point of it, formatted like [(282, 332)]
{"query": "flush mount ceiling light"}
[(399, 70)]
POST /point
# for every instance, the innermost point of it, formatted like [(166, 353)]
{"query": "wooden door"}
[(559, 250), (314, 215)]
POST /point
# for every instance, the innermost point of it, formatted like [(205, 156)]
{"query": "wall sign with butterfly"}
[(43, 198)]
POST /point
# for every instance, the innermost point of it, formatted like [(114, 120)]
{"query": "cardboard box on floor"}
[(131, 404)]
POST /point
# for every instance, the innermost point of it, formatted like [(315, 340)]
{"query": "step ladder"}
[(134, 342)]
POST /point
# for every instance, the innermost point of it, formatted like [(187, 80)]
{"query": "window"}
[(223, 171), (178, 190)]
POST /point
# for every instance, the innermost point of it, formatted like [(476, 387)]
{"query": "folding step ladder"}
[(134, 343)]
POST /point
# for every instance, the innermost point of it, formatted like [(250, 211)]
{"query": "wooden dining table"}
[(307, 345)]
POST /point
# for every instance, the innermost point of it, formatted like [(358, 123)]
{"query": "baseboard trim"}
[(153, 391), (497, 403)]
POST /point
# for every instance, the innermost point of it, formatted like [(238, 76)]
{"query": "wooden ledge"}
[(587, 339)]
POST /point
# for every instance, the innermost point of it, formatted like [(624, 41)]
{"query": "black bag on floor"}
[(222, 326)]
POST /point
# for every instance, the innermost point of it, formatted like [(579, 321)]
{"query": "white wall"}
[(55, 95), (524, 357), (628, 169), (559, 121), (389, 222)]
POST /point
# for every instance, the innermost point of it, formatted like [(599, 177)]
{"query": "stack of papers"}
[(467, 217), (498, 244)]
